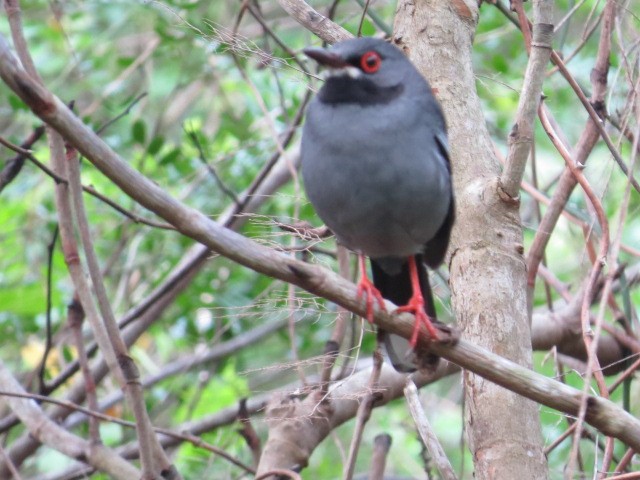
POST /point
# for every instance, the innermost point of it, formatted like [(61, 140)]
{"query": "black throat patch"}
[(361, 91)]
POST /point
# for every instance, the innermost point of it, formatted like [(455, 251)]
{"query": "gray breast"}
[(376, 177)]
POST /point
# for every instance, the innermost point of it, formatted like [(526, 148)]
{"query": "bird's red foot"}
[(368, 289), (416, 306)]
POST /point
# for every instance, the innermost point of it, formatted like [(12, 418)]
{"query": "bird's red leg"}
[(366, 287), (416, 306)]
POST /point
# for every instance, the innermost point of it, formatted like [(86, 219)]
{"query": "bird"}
[(375, 166)]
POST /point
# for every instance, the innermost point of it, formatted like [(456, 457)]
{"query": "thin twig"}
[(365, 9), (289, 133), (75, 317), (364, 413), (152, 457), (596, 120), (260, 19), (193, 439), (27, 154), (428, 436), (381, 446), (87, 188), (13, 166), (590, 338), (122, 114), (375, 18), (613, 264), (583, 42), (249, 433), (201, 156), (58, 159), (48, 344), (10, 466), (624, 462), (53, 435), (584, 147), (342, 316)]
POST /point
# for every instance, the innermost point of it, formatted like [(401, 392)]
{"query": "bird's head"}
[(364, 70)]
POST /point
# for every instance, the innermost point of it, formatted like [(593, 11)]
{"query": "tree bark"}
[(488, 272)]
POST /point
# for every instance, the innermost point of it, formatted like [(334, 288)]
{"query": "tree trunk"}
[(488, 281)]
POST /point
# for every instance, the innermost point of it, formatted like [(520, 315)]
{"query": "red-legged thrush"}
[(375, 166)]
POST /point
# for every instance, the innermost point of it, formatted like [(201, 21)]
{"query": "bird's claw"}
[(416, 307), (367, 288)]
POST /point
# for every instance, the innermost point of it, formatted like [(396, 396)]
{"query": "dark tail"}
[(397, 288)]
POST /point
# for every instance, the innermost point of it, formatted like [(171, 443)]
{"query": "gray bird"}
[(376, 168)]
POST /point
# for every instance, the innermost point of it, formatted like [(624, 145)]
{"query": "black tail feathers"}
[(397, 288)]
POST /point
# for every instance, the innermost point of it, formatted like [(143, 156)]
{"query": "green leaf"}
[(139, 132), (155, 145)]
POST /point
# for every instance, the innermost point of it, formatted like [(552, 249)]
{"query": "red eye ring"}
[(370, 62)]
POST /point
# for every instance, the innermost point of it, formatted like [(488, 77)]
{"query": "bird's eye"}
[(370, 62)]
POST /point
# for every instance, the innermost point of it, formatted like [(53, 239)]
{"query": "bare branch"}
[(381, 446), (56, 437), (427, 434), (314, 22), (521, 136), (364, 413)]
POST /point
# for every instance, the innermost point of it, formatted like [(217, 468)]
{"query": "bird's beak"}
[(325, 57)]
